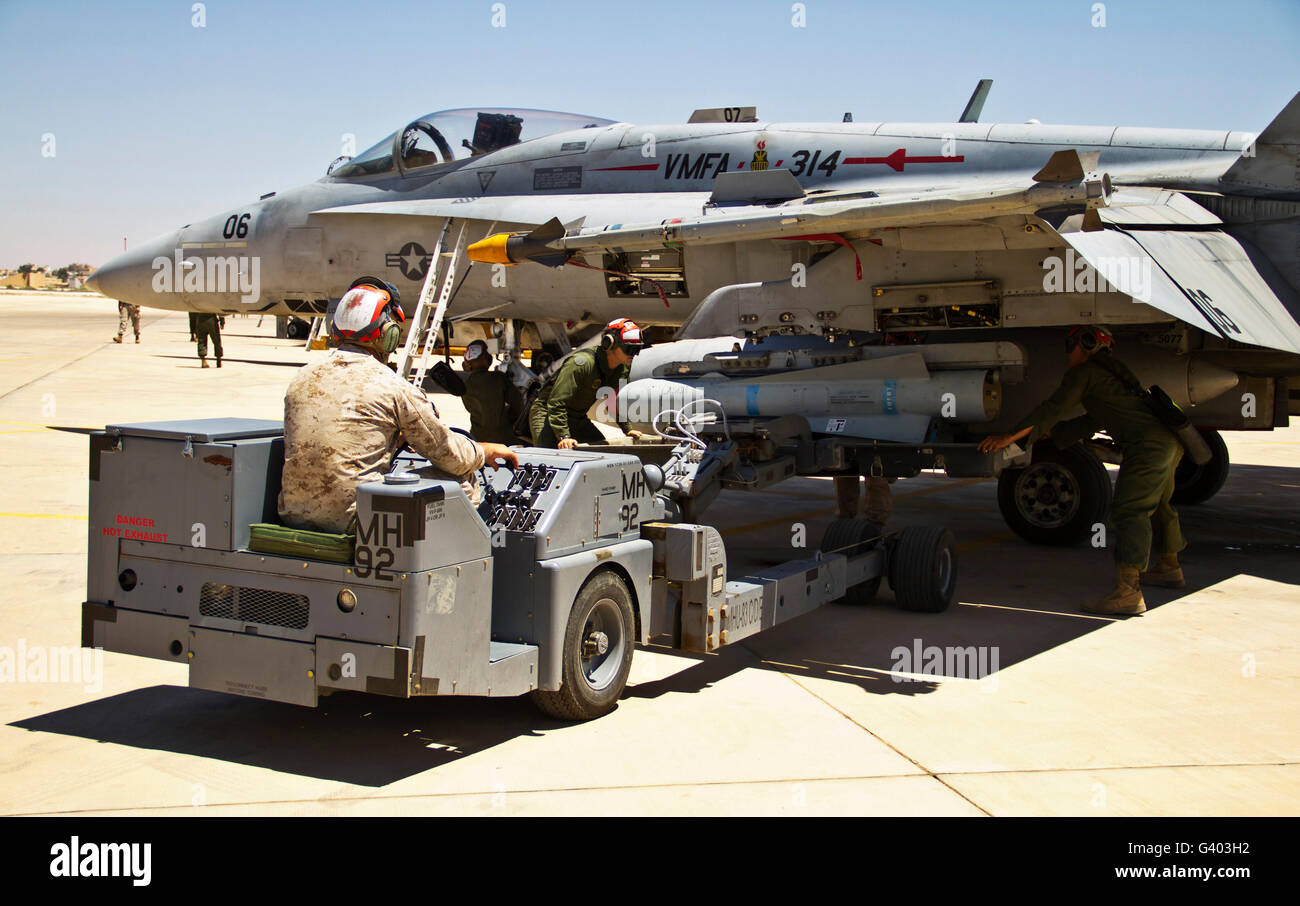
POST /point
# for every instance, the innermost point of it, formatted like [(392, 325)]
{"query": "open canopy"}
[(451, 135)]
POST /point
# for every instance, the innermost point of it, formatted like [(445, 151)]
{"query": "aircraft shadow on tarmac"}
[(1014, 599)]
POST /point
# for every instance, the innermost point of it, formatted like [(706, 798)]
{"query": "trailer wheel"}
[(598, 645), (1058, 498), (850, 537), (297, 329), (923, 569), (1196, 484)]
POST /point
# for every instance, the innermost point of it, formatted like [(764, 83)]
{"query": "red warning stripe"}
[(635, 167), (899, 159)]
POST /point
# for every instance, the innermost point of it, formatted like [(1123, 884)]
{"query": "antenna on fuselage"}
[(975, 106)]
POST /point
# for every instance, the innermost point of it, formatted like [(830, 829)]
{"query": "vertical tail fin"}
[(1272, 163)]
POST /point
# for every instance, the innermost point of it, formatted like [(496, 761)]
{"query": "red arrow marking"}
[(636, 167), (899, 159)]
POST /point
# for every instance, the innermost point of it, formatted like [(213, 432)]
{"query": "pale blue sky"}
[(158, 123)]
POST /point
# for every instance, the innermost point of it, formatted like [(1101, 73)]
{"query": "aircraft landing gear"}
[(1196, 484), (1058, 498)]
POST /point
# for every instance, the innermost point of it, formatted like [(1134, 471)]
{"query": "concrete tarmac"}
[(1187, 710)]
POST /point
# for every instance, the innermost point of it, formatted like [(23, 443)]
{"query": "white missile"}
[(898, 385)]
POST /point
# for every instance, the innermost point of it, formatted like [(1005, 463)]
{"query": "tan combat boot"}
[(117, 339), (879, 501), (1126, 598), (1166, 573), (203, 363)]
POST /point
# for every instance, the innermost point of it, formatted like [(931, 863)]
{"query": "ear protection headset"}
[(623, 333), (381, 304), (1089, 337)]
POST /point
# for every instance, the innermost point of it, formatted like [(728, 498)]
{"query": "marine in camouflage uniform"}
[(1142, 518), (344, 419), (127, 314)]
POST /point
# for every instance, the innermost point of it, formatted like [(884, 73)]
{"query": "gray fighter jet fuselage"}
[(933, 232)]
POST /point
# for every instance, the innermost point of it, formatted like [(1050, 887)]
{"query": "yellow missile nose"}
[(491, 250)]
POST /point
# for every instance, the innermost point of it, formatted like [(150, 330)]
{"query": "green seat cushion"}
[(291, 542)]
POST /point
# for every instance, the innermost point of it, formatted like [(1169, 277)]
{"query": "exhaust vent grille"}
[(254, 605)]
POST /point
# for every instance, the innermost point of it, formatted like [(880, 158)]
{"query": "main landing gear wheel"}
[(1058, 498), (297, 329), (923, 569), (1196, 484), (852, 537), (598, 644)]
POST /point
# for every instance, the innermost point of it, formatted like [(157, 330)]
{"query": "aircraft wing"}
[(533, 209), (1186, 264), (1065, 183)]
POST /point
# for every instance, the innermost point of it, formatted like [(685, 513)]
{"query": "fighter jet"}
[(849, 236)]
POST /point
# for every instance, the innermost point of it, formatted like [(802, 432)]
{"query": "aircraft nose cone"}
[(128, 277)]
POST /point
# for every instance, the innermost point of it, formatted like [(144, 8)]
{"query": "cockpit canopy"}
[(452, 135)]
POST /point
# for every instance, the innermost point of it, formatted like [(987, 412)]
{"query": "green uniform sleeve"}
[(1076, 429), (573, 374), (1074, 386)]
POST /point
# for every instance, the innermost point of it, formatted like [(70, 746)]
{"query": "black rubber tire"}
[(1058, 498), (1195, 484), (579, 698), (850, 537), (297, 329), (923, 569)]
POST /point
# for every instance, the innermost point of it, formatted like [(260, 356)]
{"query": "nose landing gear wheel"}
[(1058, 498), (598, 643)]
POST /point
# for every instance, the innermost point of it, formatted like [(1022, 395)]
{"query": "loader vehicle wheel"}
[(598, 644), (1058, 498), (851, 537), (1196, 484), (923, 568)]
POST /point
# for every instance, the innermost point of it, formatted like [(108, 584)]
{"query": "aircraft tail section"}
[(1271, 165)]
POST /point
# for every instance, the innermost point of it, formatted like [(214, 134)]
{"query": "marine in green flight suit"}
[(558, 417), (492, 400), (1142, 518)]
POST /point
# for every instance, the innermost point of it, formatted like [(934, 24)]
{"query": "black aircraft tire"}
[(851, 537), (1195, 484), (297, 329), (591, 683), (1058, 498), (923, 569)]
